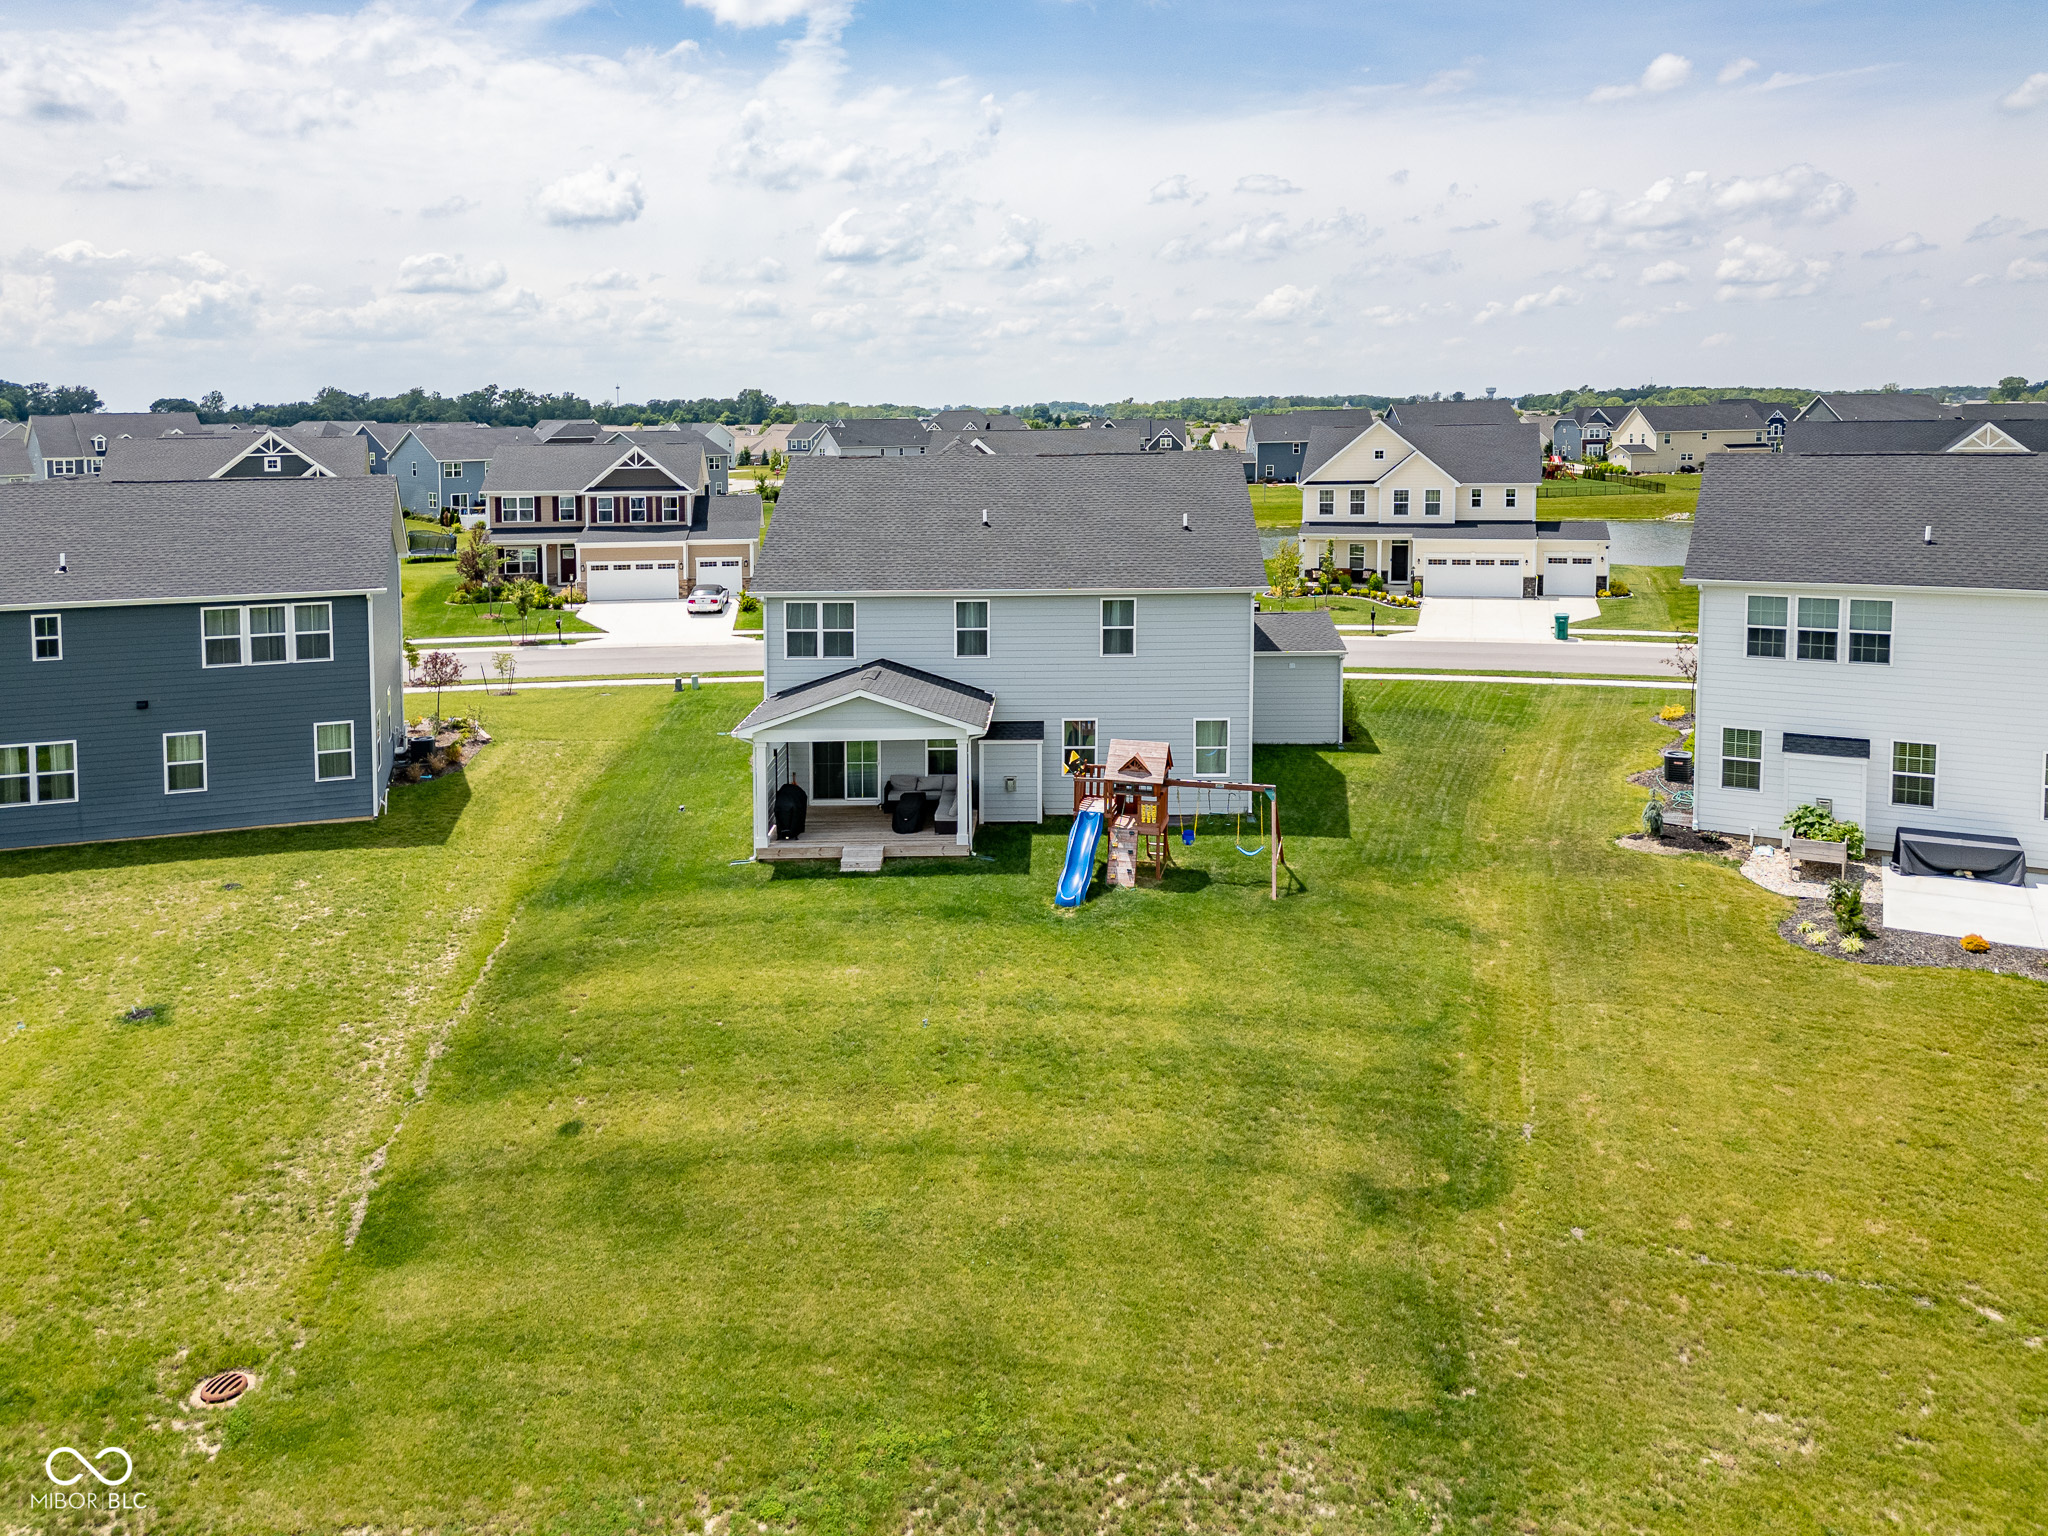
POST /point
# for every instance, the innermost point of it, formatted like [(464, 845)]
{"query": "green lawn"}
[(1656, 601), (1495, 1179), (1276, 506), (429, 615), (1610, 499), (744, 622), (1345, 610)]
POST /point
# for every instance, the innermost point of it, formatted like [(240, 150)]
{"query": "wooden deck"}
[(829, 830)]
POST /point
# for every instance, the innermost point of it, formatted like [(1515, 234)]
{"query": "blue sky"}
[(836, 200)]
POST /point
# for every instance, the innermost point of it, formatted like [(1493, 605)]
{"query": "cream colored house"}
[(1453, 506), (1676, 439)]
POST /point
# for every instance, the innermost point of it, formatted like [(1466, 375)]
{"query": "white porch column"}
[(761, 794), (963, 759)]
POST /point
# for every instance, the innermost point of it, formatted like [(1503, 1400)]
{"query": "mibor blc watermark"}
[(67, 1495)]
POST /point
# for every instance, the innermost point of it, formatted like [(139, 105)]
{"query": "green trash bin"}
[(1561, 625)]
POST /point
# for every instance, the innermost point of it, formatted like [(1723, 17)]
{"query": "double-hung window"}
[(184, 762), (638, 505), (1767, 617), (1326, 503), (604, 512), (451, 471), (1913, 773), (1119, 626), (334, 750), (1820, 623), (1432, 503), (1400, 503), (222, 632), (799, 629), (1509, 497), (565, 509), (313, 632), (1358, 501), (267, 642), (1212, 749), (970, 629), (1077, 744), (1742, 759), (1870, 630), (39, 773), (517, 509), (1478, 496), (671, 509), (46, 631), (835, 623)]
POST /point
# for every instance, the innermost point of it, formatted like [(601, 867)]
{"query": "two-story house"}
[(964, 624), (1584, 431), (1453, 507), (1274, 445), (629, 521), (197, 656), (875, 437), (715, 440), (1854, 613), (68, 447), (442, 468), (803, 437), (1677, 439)]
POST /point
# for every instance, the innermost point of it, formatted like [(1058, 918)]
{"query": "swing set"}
[(1133, 790)]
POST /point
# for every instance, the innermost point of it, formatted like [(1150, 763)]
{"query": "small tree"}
[(438, 670), (1653, 817), (526, 596), (506, 665), (476, 558), (1686, 663), (1326, 568), (1284, 569), (746, 457)]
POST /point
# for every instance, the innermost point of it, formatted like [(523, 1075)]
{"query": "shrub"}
[(1845, 900), (749, 603), (1673, 712), (1815, 938), (1617, 589), (1653, 818), (1851, 944), (1975, 943)]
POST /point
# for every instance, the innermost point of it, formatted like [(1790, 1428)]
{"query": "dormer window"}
[(272, 463), (99, 445)]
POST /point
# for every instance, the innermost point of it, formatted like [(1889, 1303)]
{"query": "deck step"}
[(857, 860)]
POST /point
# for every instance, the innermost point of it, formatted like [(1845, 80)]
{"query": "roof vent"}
[(984, 517), (63, 564), (1927, 534), (1185, 526)]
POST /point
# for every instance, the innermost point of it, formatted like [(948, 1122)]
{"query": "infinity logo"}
[(50, 1471)]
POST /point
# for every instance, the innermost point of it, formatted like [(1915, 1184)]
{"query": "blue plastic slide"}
[(1080, 870)]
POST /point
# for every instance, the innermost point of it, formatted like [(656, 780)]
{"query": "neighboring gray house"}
[(442, 468), (718, 450), (804, 435), (66, 447), (973, 421), (1582, 432), (1868, 624), (1274, 445), (1946, 434), (378, 437), (969, 622), (16, 462), (875, 437), (166, 672), (263, 453)]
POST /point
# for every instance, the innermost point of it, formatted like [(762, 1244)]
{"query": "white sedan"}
[(708, 599)]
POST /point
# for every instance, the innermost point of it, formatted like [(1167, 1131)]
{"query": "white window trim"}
[(293, 621), (33, 799), (811, 629), (205, 773), (1103, 627), (335, 778), (852, 629), (243, 636), (249, 636), (451, 470), (881, 783), (1798, 629), (1094, 725), (1891, 772), (1509, 496), (273, 463), (34, 639), (1740, 789), (1196, 738), (987, 625)]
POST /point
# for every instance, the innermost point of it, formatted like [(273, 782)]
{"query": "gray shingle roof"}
[(734, 517), (1850, 519), (70, 437), (2002, 410), (1058, 440), (1473, 455), (199, 457), (194, 539), (886, 680), (468, 444), (1300, 634), (1880, 405), (1088, 522), (544, 469), (882, 432), (1295, 426), (583, 431), (1868, 437), (1455, 413), (14, 457), (1720, 416)]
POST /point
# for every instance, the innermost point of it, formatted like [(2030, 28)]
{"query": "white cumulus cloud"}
[(1287, 302), (1664, 272), (890, 239), (1666, 72), (2027, 95), (1734, 70), (2026, 269), (1173, 189), (599, 195), (436, 272), (1750, 269)]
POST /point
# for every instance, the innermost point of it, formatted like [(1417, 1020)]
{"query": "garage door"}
[(1569, 576), (1473, 576), (719, 573), (630, 581)]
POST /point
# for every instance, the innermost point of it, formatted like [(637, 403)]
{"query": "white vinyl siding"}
[(1212, 749)]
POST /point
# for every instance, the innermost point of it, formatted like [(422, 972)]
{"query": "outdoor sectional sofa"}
[(942, 789)]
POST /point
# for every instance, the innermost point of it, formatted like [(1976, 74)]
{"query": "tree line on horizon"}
[(495, 407)]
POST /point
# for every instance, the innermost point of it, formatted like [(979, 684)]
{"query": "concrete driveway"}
[(1499, 618), (644, 624), (2004, 914)]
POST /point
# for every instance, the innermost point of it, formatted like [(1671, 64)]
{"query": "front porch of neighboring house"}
[(1359, 553), (551, 562), (837, 761)]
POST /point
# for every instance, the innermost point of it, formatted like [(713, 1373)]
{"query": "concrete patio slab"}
[(2004, 914)]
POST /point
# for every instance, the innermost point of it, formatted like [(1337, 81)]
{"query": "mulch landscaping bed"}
[(1899, 947), (1685, 840), (451, 751)]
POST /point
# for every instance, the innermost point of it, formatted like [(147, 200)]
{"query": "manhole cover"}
[(224, 1388)]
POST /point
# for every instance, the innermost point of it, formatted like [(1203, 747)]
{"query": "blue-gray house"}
[(1274, 445), (441, 468), (196, 656)]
